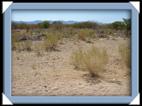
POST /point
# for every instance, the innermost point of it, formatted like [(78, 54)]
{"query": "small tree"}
[(44, 24), (127, 23)]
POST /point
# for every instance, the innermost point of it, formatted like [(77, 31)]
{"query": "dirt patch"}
[(53, 73)]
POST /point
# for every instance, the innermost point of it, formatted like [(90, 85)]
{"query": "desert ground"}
[(53, 74)]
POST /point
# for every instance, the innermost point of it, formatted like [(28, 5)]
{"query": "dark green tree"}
[(44, 24)]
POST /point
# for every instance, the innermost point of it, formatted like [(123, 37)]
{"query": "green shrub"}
[(44, 24), (92, 60)]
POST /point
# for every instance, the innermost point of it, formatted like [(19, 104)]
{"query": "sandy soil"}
[(53, 74)]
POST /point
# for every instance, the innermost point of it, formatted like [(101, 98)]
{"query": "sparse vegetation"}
[(85, 31), (23, 46), (51, 42), (86, 34), (87, 24), (77, 59), (92, 60), (70, 58), (39, 49), (124, 51), (27, 45)]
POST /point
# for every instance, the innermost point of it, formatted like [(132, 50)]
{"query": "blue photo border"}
[(71, 99)]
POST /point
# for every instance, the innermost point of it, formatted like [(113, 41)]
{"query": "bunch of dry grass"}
[(92, 60), (15, 37), (86, 34), (39, 49), (51, 42), (77, 57), (124, 51), (23, 46)]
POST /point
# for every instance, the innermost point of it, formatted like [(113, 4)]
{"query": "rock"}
[(45, 86)]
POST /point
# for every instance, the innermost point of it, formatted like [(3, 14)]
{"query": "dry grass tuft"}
[(92, 60), (86, 34), (124, 51), (23, 46), (51, 42)]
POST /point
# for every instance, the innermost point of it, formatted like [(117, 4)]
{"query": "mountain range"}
[(40, 21)]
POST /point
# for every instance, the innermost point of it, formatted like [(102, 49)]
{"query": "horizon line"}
[(71, 20)]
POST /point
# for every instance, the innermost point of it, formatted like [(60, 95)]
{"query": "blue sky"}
[(101, 16)]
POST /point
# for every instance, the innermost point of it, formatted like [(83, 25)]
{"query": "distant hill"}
[(69, 22), (28, 22), (39, 21)]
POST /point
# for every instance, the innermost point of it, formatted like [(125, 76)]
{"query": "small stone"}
[(45, 86)]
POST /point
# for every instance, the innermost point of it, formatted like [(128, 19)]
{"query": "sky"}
[(101, 16)]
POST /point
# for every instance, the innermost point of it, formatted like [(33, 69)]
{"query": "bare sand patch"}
[(53, 74)]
